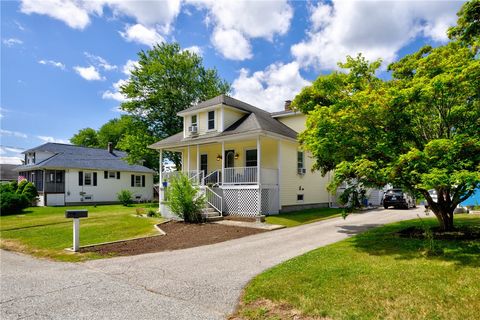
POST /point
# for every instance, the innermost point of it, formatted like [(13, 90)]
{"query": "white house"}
[(68, 175), (247, 161)]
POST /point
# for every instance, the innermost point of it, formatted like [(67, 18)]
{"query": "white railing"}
[(240, 175), (214, 200), (196, 176), (213, 178)]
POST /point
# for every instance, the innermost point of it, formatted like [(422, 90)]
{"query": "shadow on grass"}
[(387, 240)]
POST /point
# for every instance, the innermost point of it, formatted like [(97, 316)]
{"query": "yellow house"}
[(247, 161)]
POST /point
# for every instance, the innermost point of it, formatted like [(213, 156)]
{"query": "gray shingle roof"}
[(70, 156), (255, 120)]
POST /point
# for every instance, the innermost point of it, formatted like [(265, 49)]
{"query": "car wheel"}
[(385, 206)]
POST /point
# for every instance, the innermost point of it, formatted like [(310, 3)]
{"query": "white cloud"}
[(74, 13), (89, 73), (244, 20), (232, 44), (52, 139), (141, 34), (11, 160), (129, 66), (100, 62), (377, 29), (9, 133), (77, 13), (11, 42), (115, 94), (194, 49), (53, 63), (150, 13), (270, 88)]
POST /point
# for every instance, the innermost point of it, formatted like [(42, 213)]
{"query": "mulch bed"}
[(179, 235), (464, 233)]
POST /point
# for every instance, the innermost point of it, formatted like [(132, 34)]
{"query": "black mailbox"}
[(75, 214)]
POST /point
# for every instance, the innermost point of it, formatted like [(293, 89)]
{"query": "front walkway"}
[(197, 283)]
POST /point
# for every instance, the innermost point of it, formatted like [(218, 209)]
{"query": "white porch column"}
[(223, 162), (279, 172), (188, 160), (198, 164), (259, 176), (160, 163)]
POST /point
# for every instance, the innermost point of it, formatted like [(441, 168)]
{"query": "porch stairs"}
[(211, 214)]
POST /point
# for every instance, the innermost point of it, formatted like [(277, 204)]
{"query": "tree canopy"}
[(86, 137), (419, 130), (166, 81)]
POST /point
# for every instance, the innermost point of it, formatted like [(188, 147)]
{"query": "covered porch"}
[(237, 177)]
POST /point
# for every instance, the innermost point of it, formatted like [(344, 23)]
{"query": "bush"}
[(11, 203), (21, 186), (125, 197), (30, 192), (184, 199), (152, 213)]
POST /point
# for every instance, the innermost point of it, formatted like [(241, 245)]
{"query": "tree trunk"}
[(444, 217)]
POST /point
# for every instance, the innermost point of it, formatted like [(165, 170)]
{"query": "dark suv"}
[(398, 199)]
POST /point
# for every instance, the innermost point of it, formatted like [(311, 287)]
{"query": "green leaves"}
[(418, 130)]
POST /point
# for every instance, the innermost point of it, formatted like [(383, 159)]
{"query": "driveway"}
[(196, 283)]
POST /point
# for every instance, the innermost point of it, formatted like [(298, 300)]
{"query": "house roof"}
[(7, 173), (255, 120), (71, 156)]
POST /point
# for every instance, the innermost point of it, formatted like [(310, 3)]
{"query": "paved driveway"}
[(197, 283)]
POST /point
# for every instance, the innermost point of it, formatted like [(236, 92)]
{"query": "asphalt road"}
[(196, 283)]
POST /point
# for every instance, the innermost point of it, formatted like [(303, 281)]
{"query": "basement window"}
[(300, 197)]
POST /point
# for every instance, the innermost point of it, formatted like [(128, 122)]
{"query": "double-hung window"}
[(194, 120), (88, 178), (300, 162), (211, 120)]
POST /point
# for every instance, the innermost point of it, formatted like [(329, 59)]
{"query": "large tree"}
[(419, 130), (166, 81), (86, 137), (127, 133)]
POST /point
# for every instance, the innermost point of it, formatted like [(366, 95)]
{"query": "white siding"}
[(106, 189)]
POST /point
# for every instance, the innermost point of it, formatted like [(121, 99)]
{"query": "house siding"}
[(312, 185), (230, 117), (295, 121), (106, 189)]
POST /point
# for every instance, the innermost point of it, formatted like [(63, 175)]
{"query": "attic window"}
[(211, 120)]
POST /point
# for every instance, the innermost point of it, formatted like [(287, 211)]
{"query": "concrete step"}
[(212, 219), (211, 214)]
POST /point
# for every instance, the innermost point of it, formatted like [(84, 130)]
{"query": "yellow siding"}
[(230, 117), (311, 185), (294, 121)]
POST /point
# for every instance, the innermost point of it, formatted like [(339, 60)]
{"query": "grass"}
[(45, 232), (374, 275), (297, 218)]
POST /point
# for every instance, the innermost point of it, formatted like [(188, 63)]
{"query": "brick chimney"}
[(110, 147), (287, 105)]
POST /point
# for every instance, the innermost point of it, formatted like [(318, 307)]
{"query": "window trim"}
[(213, 119)]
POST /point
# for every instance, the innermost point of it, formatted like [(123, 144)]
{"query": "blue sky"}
[(62, 60)]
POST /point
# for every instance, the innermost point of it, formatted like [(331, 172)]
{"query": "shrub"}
[(30, 192), (21, 186), (11, 203), (152, 213), (184, 199), (125, 197)]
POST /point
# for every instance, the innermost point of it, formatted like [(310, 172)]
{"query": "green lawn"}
[(45, 232), (297, 218), (375, 275)]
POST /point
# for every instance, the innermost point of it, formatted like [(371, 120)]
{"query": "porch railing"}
[(213, 178), (240, 175), (214, 200)]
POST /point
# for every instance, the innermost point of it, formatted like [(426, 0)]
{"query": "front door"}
[(229, 158), (204, 164)]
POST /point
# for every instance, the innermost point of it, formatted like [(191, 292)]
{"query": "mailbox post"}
[(76, 215)]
